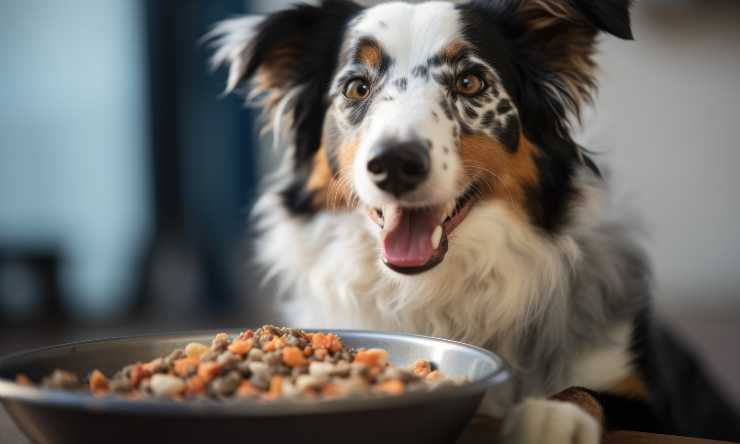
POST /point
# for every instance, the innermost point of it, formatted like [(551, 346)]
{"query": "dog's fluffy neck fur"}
[(543, 302)]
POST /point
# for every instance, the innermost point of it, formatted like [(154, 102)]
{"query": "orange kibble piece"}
[(433, 376), (208, 370), (318, 340), (269, 346), (391, 387), (274, 344), (372, 357), (329, 341), (195, 386), (293, 357), (98, 382), (241, 346), (247, 390), (422, 368), (308, 351), (22, 379), (375, 371), (330, 390), (276, 387), (185, 366)]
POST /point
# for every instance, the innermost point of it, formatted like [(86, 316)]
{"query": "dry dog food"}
[(267, 364)]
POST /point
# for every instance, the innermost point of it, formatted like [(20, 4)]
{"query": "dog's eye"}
[(469, 84), (357, 89)]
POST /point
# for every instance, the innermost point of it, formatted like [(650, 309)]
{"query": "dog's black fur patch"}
[(495, 31), (682, 398), (312, 70)]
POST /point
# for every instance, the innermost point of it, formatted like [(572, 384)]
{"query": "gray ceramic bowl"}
[(439, 416)]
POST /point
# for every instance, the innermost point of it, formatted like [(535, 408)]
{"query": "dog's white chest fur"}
[(502, 286)]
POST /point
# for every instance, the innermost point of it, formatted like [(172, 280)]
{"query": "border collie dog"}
[(431, 184)]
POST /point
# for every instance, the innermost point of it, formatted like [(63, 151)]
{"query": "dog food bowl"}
[(438, 416)]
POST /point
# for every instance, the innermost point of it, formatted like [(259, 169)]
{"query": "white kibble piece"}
[(308, 381), (353, 386), (290, 390), (195, 350), (320, 369), (259, 368), (166, 385)]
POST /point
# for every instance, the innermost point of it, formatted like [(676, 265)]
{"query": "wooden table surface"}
[(479, 432)]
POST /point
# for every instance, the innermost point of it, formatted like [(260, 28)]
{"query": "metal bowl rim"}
[(11, 391)]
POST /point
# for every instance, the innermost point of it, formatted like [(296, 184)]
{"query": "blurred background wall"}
[(74, 176), (126, 177)]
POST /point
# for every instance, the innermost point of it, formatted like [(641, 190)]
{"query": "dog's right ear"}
[(286, 60)]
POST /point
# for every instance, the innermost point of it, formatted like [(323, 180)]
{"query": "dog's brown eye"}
[(469, 84), (357, 89)]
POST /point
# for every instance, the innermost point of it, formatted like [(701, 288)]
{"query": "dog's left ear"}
[(556, 39), (286, 60)]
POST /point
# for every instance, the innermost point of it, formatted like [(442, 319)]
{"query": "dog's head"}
[(417, 114)]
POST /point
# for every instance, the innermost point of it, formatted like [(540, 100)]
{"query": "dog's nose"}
[(399, 167)]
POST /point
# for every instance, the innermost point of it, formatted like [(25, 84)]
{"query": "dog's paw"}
[(539, 421)]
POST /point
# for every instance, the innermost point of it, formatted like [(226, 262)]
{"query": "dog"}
[(431, 184)]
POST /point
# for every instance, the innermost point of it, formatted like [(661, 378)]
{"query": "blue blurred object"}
[(73, 151), (204, 159), (119, 157)]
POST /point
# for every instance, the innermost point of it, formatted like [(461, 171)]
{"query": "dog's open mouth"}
[(414, 240)]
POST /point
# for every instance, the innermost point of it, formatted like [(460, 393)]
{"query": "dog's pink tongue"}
[(408, 237)]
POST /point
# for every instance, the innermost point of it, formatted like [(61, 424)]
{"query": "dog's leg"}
[(570, 417)]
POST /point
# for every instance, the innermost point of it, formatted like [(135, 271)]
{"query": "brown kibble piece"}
[(422, 368), (22, 379), (186, 366), (138, 374), (196, 386), (246, 334), (154, 365), (308, 351), (208, 370), (220, 342), (98, 383), (435, 375), (391, 387), (241, 346), (293, 357)]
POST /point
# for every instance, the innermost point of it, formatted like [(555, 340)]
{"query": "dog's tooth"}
[(437, 237), (450, 209)]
